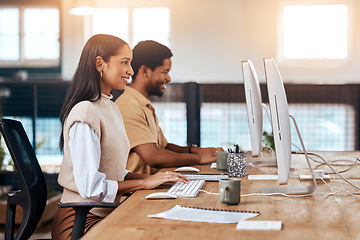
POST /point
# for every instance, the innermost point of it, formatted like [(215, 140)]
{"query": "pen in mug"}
[(237, 148)]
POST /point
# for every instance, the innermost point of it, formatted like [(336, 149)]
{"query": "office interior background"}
[(314, 42)]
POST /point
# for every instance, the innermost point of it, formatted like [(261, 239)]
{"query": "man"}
[(149, 148)]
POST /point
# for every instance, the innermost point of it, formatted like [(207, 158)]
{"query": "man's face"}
[(159, 79)]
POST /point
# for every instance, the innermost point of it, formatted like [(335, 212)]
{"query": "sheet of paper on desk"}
[(213, 165), (259, 225), (204, 215)]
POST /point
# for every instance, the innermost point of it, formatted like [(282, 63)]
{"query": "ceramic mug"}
[(221, 160), (229, 191)]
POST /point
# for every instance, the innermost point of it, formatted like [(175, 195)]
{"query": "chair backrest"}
[(33, 193)]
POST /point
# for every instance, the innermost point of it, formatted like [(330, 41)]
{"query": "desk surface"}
[(312, 217)]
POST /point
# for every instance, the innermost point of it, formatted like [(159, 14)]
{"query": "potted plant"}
[(268, 141), (2, 154)]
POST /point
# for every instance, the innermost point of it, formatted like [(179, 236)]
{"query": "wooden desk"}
[(312, 217)]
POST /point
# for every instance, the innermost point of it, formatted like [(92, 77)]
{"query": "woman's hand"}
[(162, 177)]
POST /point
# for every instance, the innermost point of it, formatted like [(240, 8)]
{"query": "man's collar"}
[(136, 94)]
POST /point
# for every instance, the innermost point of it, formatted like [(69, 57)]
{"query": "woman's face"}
[(117, 71)]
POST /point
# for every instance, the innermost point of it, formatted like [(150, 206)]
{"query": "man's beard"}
[(156, 90)]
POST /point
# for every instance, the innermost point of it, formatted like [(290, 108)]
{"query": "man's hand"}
[(207, 155)]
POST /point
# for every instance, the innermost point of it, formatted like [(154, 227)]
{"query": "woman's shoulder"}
[(86, 112), (84, 108), (83, 105)]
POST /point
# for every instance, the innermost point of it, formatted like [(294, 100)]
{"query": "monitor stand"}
[(295, 190), (259, 161)]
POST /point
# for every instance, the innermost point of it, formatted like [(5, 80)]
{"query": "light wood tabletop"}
[(319, 216)]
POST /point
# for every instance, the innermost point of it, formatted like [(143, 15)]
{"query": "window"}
[(117, 22), (29, 37), (9, 34), (322, 126), (314, 32), (41, 33), (151, 24), (224, 124), (172, 120), (131, 24), (47, 142)]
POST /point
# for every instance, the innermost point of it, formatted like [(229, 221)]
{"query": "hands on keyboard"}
[(190, 189)]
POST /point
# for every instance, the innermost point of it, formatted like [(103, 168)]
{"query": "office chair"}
[(33, 193)]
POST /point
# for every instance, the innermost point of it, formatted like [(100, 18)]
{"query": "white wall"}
[(72, 40), (210, 38)]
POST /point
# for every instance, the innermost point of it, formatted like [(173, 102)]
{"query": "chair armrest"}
[(81, 210)]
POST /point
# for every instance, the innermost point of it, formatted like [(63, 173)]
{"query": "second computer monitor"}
[(253, 105), (280, 119)]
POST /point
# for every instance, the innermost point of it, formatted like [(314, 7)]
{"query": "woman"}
[(93, 137)]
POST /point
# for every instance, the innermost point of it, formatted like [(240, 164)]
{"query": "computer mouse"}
[(160, 195), (187, 169)]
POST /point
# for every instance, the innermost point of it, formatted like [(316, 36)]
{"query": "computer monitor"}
[(281, 130), (279, 112), (253, 105), (255, 108)]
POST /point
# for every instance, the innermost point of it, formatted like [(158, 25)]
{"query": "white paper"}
[(259, 225), (213, 165), (263, 177), (201, 215)]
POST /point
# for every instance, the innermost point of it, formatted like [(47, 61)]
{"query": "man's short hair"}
[(150, 54)]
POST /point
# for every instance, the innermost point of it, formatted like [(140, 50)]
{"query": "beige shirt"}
[(141, 125), (104, 117)]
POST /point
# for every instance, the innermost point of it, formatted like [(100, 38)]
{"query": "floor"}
[(41, 232)]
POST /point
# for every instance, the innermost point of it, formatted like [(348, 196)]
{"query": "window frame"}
[(313, 63), (130, 5), (36, 67)]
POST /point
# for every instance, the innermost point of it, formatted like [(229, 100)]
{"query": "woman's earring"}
[(101, 75)]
